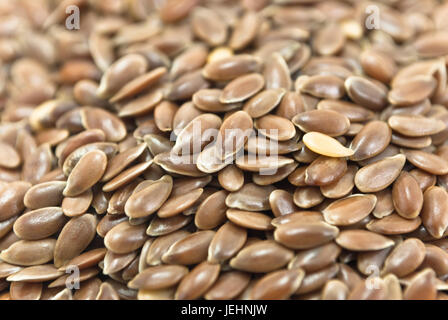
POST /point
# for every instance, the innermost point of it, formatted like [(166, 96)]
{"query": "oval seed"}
[(74, 238), (262, 256), (366, 261), (121, 161), (329, 40), (422, 286), (378, 65), (75, 206), (307, 197), (158, 277), (231, 178), (139, 84), (416, 143), (46, 194), (212, 211), (394, 224), (434, 212), (157, 144), (414, 90), (373, 139), (121, 72), (86, 260), (349, 210), (249, 220), (341, 187), (175, 205), (304, 235), (29, 253), (107, 292), (209, 26), (367, 179), (316, 280), (227, 241), (276, 72), (89, 290), (9, 158), (364, 291), (138, 206), (317, 258), (407, 196), (86, 173), (233, 133), (323, 86), (229, 285), (366, 93), (159, 226), (435, 258), (244, 30), (110, 149), (275, 127), (283, 172), (209, 160), (7, 269), (232, 67), (11, 198), (164, 114), (161, 245), (110, 124), (197, 282), (424, 179), (353, 112), (242, 88), (125, 238), (25, 291), (186, 85), (250, 197), (40, 273), (264, 102), (192, 249), (278, 285), (292, 104), (426, 161), (281, 202), (335, 290), (191, 59), (405, 257), (328, 122), (362, 240), (39, 223), (186, 113), (208, 100), (416, 126), (324, 171)]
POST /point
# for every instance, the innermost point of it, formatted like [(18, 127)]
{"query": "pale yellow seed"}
[(352, 29), (322, 144), (219, 53)]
